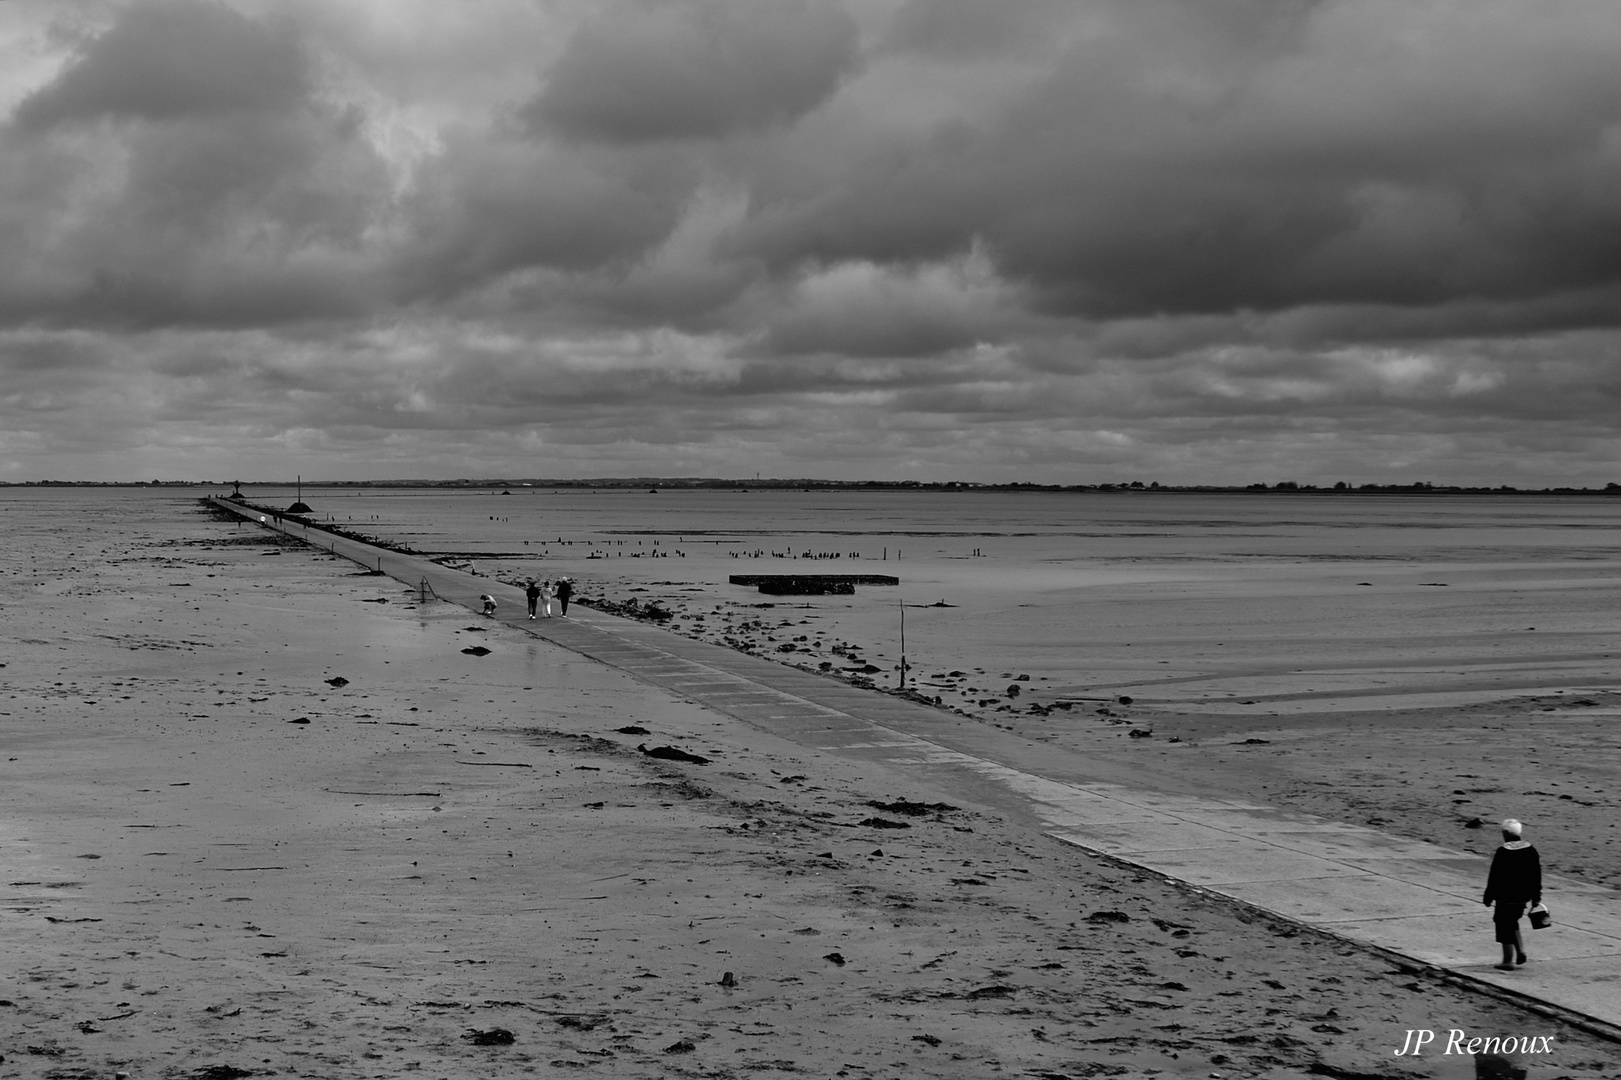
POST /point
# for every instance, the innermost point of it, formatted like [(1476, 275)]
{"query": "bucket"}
[(1540, 917)]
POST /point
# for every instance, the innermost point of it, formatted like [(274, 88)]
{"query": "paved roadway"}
[(1406, 898)]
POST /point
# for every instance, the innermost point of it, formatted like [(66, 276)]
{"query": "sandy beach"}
[(263, 814)]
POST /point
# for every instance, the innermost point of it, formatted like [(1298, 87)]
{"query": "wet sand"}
[(220, 860), (1430, 764)]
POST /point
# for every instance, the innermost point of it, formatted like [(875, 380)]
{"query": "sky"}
[(1058, 241)]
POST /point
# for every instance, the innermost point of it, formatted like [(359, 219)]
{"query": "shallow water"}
[(1213, 602)]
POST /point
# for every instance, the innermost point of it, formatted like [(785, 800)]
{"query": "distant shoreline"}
[(654, 484)]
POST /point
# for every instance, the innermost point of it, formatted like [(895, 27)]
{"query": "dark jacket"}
[(1516, 875)]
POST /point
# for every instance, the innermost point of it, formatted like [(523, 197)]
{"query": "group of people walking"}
[(542, 594)]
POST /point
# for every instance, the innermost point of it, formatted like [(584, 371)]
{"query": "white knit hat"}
[(1511, 827)]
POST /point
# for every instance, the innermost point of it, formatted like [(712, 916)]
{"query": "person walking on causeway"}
[(565, 590), (532, 593), (1514, 881)]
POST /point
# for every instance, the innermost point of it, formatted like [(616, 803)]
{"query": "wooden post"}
[(903, 643)]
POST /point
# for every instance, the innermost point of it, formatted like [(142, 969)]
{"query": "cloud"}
[(1199, 158), (970, 30), (680, 69), (1030, 239), (867, 310), (183, 168), (488, 206), (169, 59)]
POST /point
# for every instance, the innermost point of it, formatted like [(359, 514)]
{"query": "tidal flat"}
[(265, 812), (1411, 662)]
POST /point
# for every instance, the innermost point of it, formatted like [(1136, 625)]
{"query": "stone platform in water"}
[(811, 584)]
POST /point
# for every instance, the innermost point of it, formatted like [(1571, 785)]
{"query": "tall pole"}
[(903, 643)]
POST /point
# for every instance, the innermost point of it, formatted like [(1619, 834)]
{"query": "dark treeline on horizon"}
[(656, 483)]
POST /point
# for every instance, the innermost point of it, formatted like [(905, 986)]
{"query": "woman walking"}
[(1515, 881), (546, 595)]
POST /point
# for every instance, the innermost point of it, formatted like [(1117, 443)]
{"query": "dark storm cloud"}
[(182, 169), (489, 206), (1212, 156), (256, 221), (30, 353), (1003, 240), (168, 59), (974, 30), (677, 69)]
